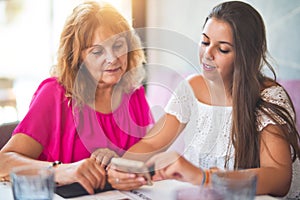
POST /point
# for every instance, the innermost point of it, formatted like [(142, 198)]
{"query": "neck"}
[(107, 99), (220, 93)]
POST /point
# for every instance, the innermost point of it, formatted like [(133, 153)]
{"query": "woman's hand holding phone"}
[(125, 174)]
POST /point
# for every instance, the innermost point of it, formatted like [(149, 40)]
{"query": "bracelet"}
[(207, 180), (56, 163), (203, 177)]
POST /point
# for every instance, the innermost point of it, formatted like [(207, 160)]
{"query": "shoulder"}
[(50, 83), (138, 95), (138, 92), (49, 88), (199, 87), (275, 94), (195, 79)]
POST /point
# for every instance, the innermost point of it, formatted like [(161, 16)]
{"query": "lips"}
[(208, 67), (112, 70)]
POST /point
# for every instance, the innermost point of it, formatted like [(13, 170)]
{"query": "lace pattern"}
[(278, 96), (207, 132)]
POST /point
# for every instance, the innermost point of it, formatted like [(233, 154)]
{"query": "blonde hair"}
[(77, 35)]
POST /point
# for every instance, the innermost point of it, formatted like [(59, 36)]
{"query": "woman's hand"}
[(103, 156), (170, 165), (124, 181), (87, 172)]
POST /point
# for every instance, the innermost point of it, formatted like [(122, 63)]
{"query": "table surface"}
[(160, 190)]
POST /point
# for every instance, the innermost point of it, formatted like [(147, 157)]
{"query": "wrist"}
[(206, 177), (56, 163)]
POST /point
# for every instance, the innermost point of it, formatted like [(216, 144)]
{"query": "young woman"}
[(237, 118), (95, 99)]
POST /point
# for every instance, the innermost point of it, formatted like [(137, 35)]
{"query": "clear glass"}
[(235, 185), (198, 193), (32, 183)]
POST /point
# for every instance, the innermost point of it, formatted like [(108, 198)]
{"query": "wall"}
[(185, 19)]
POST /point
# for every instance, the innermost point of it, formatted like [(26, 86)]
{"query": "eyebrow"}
[(100, 45), (221, 42)]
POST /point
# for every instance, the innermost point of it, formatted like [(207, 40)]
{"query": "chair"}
[(6, 130), (8, 101), (7, 95)]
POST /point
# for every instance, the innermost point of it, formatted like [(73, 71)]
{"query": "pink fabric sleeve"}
[(69, 137), (48, 119)]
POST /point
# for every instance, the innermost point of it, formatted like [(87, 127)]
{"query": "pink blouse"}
[(72, 136)]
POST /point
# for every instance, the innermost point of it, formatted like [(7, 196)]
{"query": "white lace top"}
[(206, 137)]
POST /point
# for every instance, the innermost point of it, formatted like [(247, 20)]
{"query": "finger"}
[(127, 184), (103, 177), (96, 153), (100, 175), (161, 173), (105, 160), (121, 175), (151, 161), (171, 174), (156, 177), (93, 173), (86, 185), (99, 158)]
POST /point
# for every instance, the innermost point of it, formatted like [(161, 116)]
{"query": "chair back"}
[(6, 130)]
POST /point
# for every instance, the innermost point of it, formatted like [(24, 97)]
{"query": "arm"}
[(23, 150), (171, 165), (275, 172), (158, 139)]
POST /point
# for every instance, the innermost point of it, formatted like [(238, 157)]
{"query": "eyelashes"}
[(220, 49)]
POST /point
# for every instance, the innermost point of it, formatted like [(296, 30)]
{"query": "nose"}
[(208, 53), (110, 57)]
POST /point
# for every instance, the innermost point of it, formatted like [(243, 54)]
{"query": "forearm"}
[(272, 181), (143, 151), (8, 160), (158, 139)]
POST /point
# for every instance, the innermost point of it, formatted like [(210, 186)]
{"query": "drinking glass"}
[(198, 193), (32, 183), (235, 185)]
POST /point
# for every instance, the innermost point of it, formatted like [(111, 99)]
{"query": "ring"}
[(117, 180)]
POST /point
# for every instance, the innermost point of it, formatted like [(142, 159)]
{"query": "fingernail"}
[(141, 179), (131, 175)]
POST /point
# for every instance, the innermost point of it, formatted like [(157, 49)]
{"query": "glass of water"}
[(235, 185), (32, 183)]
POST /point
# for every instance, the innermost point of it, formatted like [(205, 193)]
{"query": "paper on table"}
[(114, 194), (6, 192), (166, 189)]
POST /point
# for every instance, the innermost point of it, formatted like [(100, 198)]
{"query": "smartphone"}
[(132, 166)]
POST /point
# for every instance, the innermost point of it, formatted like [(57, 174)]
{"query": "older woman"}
[(94, 100)]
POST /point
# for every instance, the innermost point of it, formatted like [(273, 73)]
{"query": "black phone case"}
[(76, 190)]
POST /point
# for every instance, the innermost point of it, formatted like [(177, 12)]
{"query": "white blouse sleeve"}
[(181, 102), (278, 96)]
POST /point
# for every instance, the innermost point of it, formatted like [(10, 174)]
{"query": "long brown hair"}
[(77, 35), (248, 81)]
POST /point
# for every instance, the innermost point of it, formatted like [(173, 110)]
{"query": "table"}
[(160, 190)]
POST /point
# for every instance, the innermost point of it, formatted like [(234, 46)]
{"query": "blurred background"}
[(30, 30)]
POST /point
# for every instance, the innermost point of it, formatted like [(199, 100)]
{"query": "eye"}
[(224, 51), (118, 45), (97, 51), (204, 43)]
